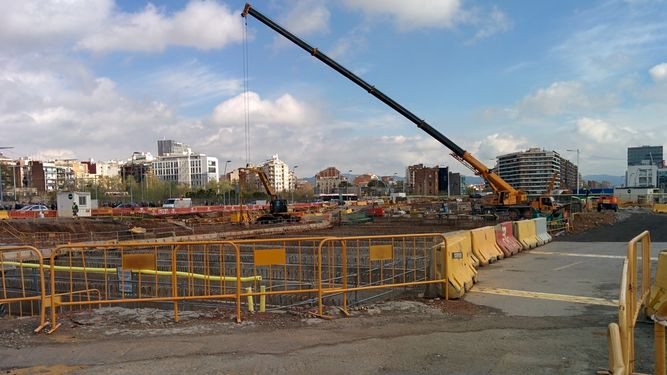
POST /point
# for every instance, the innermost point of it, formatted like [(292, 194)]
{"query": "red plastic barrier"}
[(506, 240), (30, 214)]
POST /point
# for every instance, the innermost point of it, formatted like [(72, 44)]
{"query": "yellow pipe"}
[(251, 302), (262, 299), (147, 272)]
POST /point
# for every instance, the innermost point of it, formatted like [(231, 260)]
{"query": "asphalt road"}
[(559, 328)]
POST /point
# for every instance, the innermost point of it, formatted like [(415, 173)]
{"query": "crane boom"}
[(510, 195)]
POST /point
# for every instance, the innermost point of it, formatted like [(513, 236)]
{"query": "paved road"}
[(492, 332)]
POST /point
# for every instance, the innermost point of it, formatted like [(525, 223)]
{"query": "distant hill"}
[(615, 180)]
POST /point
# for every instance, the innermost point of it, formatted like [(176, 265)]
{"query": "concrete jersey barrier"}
[(484, 245), (505, 239), (524, 231), (541, 229)]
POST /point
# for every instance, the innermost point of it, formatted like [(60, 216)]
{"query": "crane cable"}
[(246, 98)]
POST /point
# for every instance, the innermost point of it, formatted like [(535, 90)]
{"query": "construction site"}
[(515, 279)]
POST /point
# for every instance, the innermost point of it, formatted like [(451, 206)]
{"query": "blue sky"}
[(100, 79)]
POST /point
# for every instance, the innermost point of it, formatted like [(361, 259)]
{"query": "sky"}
[(101, 78)]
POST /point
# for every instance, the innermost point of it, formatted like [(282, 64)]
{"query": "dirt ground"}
[(630, 222)]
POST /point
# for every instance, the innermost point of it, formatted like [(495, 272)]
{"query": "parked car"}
[(127, 205), (34, 207)]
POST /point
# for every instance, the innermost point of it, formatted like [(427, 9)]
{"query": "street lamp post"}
[(577, 150), (224, 194), (294, 187), (347, 187)]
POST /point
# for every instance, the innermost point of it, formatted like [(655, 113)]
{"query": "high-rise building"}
[(277, 172), (645, 155), (531, 170)]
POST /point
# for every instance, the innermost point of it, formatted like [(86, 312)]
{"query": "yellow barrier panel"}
[(366, 263), (184, 271), (484, 245), (18, 289), (4, 215), (461, 271), (633, 296), (660, 208), (524, 231)]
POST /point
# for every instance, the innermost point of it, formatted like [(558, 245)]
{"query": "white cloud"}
[(54, 154), (410, 15), (600, 131), (202, 24), (560, 98), (497, 144), (612, 38), (659, 72), (307, 17), (191, 83), (29, 23), (494, 23), (285, 111)]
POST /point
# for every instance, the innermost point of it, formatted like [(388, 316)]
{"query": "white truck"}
[(177, 203)]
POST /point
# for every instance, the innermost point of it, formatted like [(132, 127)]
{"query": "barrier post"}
[(238, 283), (174, 281), (251, 302), (659, 333), (262, 299)]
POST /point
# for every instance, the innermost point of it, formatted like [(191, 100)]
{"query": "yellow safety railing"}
[(281, 272), (13, 260), (285, 270), (363, 263), (634, 295), (165, 272)]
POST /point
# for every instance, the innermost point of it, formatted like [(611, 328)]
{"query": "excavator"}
[(504, 200), (277, 206)]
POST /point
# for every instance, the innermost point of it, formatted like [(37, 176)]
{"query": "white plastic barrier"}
[(541, 229)]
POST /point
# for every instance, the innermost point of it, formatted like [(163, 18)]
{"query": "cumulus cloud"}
[(562, 97), (659, 72), (497, 144), (600, 131), (285, 110), (201, 24)]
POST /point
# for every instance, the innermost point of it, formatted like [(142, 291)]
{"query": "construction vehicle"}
[(607, 202), (278, 210), (545, 203), (505, 198)]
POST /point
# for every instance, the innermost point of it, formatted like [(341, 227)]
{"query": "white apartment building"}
[(531, 170), (109, 168), (193, 170), (278, 173)]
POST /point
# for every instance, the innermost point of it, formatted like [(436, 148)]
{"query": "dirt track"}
[(630, 224)]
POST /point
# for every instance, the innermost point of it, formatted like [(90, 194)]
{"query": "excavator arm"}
[(500, 186), (265, 181)]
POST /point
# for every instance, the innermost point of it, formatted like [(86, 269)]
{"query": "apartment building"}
[(328, 180), (277, 172), (423, 180), (530, 170)]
